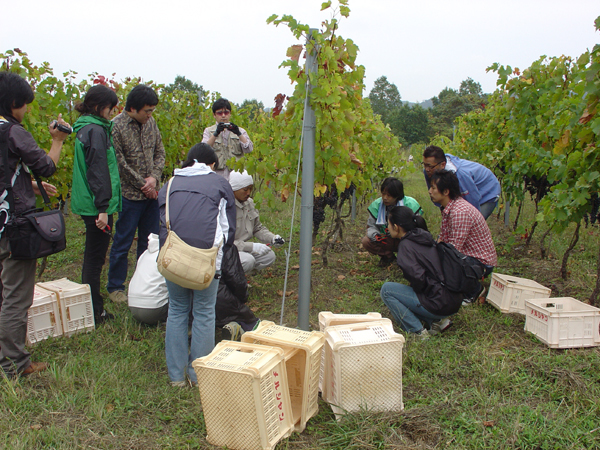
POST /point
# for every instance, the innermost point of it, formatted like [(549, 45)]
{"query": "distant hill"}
[(426, 104)]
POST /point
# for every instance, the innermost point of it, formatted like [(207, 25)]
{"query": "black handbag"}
[(35, 233)]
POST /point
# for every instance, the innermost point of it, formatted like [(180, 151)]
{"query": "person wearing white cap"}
[(253, 255)]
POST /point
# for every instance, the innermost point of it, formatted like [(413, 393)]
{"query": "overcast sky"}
[(421, 46)]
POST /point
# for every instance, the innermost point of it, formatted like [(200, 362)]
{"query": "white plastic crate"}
[(364, 367), (244, 394), (508, 293), (327, 318), (43, 317), (303, 351), (563, 322), (75, 300)]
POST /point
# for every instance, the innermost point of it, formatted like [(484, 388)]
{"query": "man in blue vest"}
[(478, 185)]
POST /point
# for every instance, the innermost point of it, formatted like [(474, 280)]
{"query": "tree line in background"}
[(413, 123)]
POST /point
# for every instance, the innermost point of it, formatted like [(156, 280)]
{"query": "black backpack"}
[(461, 272)]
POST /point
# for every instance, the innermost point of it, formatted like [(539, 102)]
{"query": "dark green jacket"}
[(96, 183)]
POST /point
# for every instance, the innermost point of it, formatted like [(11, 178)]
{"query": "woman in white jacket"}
[(202, 214)]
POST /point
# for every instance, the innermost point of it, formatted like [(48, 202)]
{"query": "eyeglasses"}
[(429, 166), (223, 112)]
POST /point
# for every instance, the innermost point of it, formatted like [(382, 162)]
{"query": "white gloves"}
[(277, 241), (260, 249)]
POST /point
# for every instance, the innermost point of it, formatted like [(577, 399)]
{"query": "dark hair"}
[(15, 92), (202, 153), (221, 103), (96, 99), (405, 218), (140, 96), (446, 180), (436, 152), (394, 187)]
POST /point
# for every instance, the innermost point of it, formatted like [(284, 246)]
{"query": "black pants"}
[(96, 247)]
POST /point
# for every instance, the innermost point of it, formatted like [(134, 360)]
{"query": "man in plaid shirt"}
[(463, 226)]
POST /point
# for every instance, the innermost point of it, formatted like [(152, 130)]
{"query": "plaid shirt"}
[(140, 153), (465, 228)]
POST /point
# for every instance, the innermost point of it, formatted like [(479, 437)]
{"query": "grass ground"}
[(483, 384)]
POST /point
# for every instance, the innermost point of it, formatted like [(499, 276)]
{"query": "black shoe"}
[(105, 316), (385, 261)]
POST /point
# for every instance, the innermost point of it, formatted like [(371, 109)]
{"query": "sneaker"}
[(423, 334), (232, 332), (35, 367), (439, 326), (118, 296), (179, 384), (470, 300), (105, 316)]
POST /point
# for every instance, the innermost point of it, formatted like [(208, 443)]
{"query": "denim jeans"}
[(94, 256), (179, 354), (405, 307), (488, 208), (140, 215)]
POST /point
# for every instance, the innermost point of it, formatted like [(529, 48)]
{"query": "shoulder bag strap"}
[(167, 206)]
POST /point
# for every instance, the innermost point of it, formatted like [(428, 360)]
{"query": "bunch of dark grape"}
[(593, 216), (318, 213)]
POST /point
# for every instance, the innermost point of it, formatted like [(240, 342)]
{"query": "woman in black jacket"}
[(426, 299)]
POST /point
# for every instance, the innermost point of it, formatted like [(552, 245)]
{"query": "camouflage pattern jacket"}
[(140, 154)]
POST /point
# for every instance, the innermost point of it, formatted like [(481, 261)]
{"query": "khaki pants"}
[(18, 280)]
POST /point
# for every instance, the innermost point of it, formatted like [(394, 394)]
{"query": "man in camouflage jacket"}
[(141, 155)]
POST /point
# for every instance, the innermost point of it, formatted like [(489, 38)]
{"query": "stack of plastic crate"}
[(244, 394), (364, 367), (75, 300), (563, 322), (43, 318), (328, 319), (302, 353), (508, 293)]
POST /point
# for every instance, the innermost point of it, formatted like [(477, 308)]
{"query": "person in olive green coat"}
[(96, 189)]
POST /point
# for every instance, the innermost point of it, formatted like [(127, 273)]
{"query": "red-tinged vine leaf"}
[(294, 52), (285, 193), (279, 99), (325, 5)]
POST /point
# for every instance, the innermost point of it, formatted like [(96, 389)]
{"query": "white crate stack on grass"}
[(508, 293), (328, 319), (75, 300), (302, 356), (43, 317), (245, 397), (563, 322), (364, 369)]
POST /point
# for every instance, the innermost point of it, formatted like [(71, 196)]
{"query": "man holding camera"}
[(226, 138), (253, 255)]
